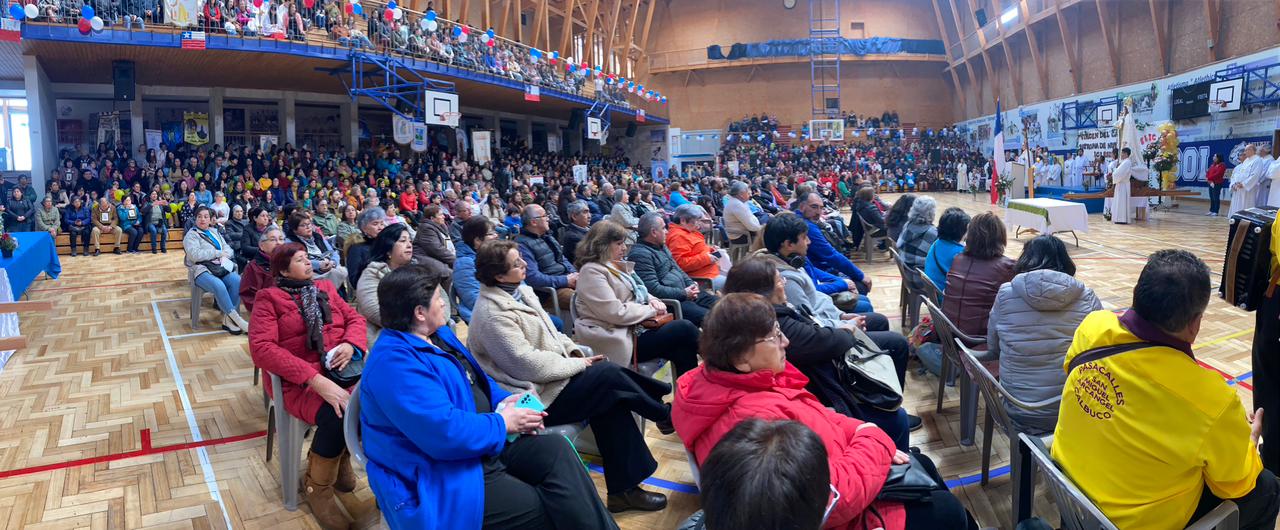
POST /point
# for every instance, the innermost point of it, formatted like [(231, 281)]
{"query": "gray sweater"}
[(1032, 323)]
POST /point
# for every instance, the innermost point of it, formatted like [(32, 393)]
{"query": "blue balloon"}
[(16, 11), (431, 14), (355, 8), (457, 31), (490, 34), (391, 5), (87, 11)]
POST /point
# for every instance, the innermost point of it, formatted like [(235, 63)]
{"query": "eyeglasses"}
[(776, 336)]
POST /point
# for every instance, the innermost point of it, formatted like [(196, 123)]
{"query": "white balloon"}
[(432, 25), (462, 37), (96, 23), (397, 13), (32, 11), (251, 25)]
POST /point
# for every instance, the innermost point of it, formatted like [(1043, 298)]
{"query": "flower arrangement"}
[(1002, 187), (8, 244)]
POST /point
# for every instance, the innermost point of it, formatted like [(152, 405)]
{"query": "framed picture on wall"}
[(70, 132)]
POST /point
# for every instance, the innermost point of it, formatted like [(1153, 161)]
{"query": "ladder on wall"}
[(824, 58)]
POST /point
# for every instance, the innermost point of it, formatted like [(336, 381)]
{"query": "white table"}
[(1059, 216), (8, 321)]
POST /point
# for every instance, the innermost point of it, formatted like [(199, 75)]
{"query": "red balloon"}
[(85, 26), (257, 3), (351, 10), (389, 15), (309, 3)]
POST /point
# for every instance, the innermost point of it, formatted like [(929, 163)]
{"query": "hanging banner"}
[(10, 30), (401, 129), (419, 143), (171, 133), (480, 146), (108, 128), (267, 141), (579, 174), (195, 128), (553, 142), (1195, 157), (153, 138), (181, 13)]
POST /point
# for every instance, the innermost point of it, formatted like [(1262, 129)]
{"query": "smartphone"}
[(527, 401)]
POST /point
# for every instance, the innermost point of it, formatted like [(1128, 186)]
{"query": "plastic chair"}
[(1080, 513), (555, 306), (693, 468), (197, 295), (928, 289), (351, 427), (997, 398), (910, 292), (870, 241), (293, 433), (947, 335)]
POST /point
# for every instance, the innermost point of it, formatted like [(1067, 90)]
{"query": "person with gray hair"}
[(622, 213), (360, 246), (542, 254), (740, 220), (919, 233), (579, 221), (606, 198), (689, 247), (657, 268)]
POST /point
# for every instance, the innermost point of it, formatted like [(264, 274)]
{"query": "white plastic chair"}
[(292, 434)]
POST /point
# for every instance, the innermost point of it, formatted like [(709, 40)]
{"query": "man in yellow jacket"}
[(1155, 440)]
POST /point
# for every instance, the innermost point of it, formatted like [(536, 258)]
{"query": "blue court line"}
[(690, 489), (1242, 377)]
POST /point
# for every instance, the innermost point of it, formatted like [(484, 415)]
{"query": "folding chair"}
[(910, 293), (870, 241)]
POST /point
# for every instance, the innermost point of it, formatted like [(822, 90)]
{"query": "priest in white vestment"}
[(1121, 209), (1273, 173), (1244, 182), (962, 176), (1264, 182)]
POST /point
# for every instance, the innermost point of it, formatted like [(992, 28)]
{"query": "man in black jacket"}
[(660, 273), (576, 230)]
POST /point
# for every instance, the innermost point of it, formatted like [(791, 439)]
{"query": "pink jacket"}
[(709, 403)]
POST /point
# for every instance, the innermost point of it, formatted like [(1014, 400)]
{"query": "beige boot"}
[(346, 477), (321, 474)]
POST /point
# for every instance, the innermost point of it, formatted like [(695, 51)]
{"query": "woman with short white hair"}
[(919, 233)]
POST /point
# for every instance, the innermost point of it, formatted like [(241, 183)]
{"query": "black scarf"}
[(313, 304)]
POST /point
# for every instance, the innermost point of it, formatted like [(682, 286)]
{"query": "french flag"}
[(532, 93), (997, 155)]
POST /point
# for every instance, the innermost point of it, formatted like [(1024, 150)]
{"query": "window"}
[(15, 135), (1009, 15)]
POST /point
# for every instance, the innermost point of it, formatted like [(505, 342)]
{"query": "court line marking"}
[(210, 479), (146, 450)]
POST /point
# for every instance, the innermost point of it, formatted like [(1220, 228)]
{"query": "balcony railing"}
[(318, 26)]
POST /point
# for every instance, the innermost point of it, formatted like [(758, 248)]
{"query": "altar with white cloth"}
[(1047, 216)]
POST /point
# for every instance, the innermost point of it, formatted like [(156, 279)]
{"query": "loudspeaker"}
[(981, 15), (575, 119), (122, 76), (631, 130)]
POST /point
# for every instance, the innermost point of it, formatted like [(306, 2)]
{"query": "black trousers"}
[(1215, 197), (541, 484), (1258, 508), (605, 394), (942, 510), (695, 310), (80, 232), (328, 440), (1266, 378), (676, 342), (134, 234)]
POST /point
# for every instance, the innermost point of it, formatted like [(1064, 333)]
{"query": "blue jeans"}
[(864, 305), (152, 231), (226, 290)]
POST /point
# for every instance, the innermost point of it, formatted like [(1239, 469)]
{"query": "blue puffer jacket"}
[(422, 435)]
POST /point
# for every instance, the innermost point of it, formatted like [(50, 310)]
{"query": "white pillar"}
[(215, 116), (497, 133), (41, 116), (136, 131), (289, 117), (349, 115)]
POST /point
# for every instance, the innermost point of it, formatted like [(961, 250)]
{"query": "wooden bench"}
[(63, 242)]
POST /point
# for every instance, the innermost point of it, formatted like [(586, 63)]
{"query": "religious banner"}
[(480, 146), (108, 128), (195, 128), (153, 138), (181, 13), (419, 143), (579, 174), (733, 166), (266, 141), (401, 129), (537, 180), (171, 133)]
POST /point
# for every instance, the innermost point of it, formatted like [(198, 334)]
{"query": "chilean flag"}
[(532, 93), (997, 155)]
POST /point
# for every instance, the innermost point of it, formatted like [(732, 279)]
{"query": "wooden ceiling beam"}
[(588, 46), (566, 31), (1213, 19), (946, 40), (1161, 22), (1034, 44), (631, 28), (609, 45), (986, 60), (648, 24), (1069, 45), (1106, 27), (464, 12)]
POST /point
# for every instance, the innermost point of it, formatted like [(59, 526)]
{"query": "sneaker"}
[(96, 252), (1208, 214), (230, 326)]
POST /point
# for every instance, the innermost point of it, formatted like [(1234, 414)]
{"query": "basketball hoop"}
[(449, 119), (1217, 105)]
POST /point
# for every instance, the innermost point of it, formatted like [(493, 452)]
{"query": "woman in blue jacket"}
[(447, 447)]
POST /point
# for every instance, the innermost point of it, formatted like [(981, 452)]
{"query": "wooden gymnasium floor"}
[(94, 415)]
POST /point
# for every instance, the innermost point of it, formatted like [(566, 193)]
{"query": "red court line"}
[(102, 286), (1228, 376), (146, 450)]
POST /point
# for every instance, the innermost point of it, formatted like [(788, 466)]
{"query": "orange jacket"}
[(691, 252)]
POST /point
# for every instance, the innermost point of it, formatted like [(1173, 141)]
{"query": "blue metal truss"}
[(1083, 114), (600, 110), (391, 82), (1259, 89), (824, 57)]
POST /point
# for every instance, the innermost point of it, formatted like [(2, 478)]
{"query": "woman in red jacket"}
[(257, 274), (294, 324), (745, 374), (1215, 176)]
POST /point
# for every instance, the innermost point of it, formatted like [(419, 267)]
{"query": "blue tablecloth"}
[(35, 254)]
